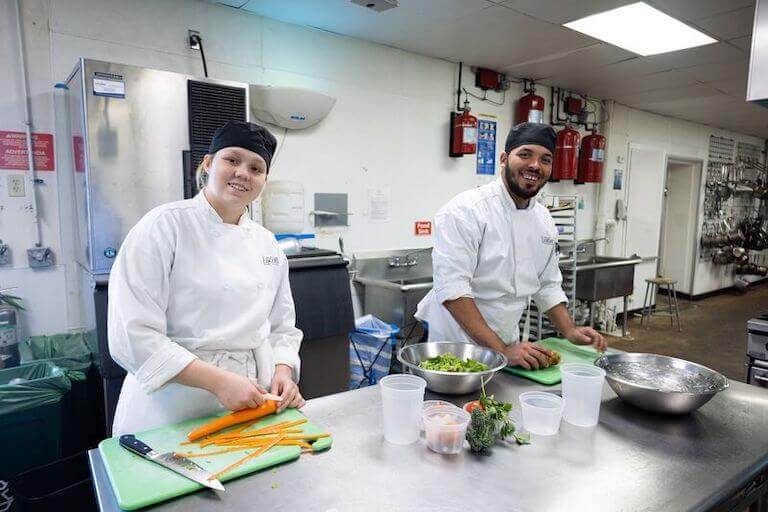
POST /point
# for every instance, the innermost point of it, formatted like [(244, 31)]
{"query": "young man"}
[(495, 250)]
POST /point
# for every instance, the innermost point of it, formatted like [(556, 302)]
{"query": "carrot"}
[(246, 458), (277, 427), (235, 418)]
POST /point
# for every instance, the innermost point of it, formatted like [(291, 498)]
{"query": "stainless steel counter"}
[(632, 461)]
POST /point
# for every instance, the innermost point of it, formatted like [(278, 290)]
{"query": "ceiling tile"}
[(729, 25), (514, 38), (559, 12), (574, 62), (745, 43), (691, 10)]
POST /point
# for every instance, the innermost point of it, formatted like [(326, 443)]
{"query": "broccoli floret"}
[(480, 433)]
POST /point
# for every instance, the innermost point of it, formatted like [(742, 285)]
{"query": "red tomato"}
[(471, 406)]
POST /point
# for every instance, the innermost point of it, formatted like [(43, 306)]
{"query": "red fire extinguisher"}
[(566, 155), (530, 108), (463, 132), (591, 158)]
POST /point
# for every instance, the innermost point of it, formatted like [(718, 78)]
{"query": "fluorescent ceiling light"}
[(641, 29)]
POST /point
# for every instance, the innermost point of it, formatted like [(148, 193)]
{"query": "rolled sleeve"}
[(454, 257), (284, 336)]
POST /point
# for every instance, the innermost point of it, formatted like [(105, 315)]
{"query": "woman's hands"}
[(236, 392), (284, 386)]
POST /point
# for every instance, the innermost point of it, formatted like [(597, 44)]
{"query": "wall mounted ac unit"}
[(757, 88), (290, 107)]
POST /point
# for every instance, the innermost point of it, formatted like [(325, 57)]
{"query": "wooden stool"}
[(651, 289)]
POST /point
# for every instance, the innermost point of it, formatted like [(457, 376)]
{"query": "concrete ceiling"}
[(524, 38)]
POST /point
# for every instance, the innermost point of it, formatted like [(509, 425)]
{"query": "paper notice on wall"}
[(378, 204)]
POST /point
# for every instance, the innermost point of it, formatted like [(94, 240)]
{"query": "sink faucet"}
[(581, 246), (406, 260)]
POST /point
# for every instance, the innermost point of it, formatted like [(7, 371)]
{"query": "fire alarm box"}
[(573, 106), (488, 79)]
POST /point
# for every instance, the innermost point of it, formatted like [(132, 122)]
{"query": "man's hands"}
[(527, 355), (587, 336)]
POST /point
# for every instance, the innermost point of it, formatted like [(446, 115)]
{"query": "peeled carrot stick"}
[(277, 427), (235, 418), (246, 458)]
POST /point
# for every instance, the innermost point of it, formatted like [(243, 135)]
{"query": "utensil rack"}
[(563, 211)]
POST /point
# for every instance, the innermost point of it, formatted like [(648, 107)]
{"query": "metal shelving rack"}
[(563, 211)]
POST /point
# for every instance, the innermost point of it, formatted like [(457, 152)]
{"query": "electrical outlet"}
[(39, 257), (5, 253), (194, 44), (16, 185)]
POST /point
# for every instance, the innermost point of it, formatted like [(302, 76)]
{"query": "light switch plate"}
[(16, 185)]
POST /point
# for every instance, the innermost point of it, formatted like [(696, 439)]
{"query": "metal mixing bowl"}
[(451, 383), (660, 383)]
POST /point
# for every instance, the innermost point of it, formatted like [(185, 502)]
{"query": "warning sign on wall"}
[(13, 151), (422, 228)]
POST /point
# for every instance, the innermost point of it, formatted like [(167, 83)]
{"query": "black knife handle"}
[(130, 442)]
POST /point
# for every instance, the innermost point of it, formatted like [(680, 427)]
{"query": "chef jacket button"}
[(260, 286)]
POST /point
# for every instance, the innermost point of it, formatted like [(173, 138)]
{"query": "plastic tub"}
[(582, 392), (445, 428), (541, 412), (428, 404), (402, 398)]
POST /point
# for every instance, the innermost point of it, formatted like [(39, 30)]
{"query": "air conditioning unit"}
[(290, 107)]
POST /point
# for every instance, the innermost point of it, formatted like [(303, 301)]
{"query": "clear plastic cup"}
[(445, 428), (402, 397), (582, 392), (541, 412)]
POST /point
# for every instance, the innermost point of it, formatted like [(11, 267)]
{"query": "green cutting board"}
[(139, 483), (570, 354)]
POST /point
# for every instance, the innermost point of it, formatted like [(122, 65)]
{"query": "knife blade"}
[(181, 465)]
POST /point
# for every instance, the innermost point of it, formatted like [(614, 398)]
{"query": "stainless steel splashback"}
[(130, 130)]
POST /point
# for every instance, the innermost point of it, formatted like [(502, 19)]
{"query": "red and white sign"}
[(422, 228), (13, 151)]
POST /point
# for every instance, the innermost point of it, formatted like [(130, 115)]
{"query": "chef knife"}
[(172, 461)]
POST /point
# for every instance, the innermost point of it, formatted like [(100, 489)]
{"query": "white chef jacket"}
[(488, 249), (186, 285)]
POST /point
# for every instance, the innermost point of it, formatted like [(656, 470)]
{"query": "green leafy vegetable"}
[(481, 432), (486, 422), (451, 363)]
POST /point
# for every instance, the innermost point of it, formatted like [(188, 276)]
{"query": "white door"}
[(645, 190)]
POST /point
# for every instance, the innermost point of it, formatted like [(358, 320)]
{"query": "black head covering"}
[(531, 133), (247, 136)]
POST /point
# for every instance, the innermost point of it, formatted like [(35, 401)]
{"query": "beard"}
[(523, 192)]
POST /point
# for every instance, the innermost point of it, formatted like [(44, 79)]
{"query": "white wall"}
[(678, 139), (389, 128)]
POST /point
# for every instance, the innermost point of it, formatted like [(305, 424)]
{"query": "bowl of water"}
[(660, 383)]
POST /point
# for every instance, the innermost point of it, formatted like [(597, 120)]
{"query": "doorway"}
[(680, 213)]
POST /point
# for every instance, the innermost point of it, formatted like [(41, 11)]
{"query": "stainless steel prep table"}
[(632, 461)]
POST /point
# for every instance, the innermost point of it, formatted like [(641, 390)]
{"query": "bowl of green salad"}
[(450, 367)]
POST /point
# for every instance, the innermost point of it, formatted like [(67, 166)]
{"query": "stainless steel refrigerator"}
[(136, 138)]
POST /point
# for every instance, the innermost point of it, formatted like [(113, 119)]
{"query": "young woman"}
[(200, 309)]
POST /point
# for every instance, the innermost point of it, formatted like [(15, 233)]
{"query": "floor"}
[(714, 330)]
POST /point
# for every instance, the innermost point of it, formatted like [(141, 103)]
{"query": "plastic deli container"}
[(445, 428), (402, 397), (542, 412)]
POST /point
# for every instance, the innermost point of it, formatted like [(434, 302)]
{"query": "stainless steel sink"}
[(394, 300), (605, 277)]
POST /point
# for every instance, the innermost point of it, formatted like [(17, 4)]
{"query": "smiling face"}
[(527, 169), (236, 177)]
